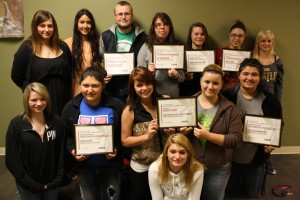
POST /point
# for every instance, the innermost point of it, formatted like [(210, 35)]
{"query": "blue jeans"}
[(246, 179), (99, 182), (214, 183), (43, 195)]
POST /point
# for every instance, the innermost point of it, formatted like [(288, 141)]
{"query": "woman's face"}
[(198, 38), (177, 157), (236, 36), (84, 25), (91, 89), (265, 45), (143, 90), (36, 102), (211, 84), (161, 30), (249, 78), (45, 29)]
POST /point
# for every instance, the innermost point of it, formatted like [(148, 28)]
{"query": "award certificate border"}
[(117, 72), (200, 68), (180, 52)]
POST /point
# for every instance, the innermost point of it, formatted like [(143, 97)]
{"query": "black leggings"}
[(139, 186)]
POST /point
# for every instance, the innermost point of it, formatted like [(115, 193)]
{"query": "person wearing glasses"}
[(237, 36), (248, 163), (123, 36), (161, 33), (99, 174)]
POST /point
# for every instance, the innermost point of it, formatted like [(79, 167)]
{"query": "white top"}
[(175, 188)]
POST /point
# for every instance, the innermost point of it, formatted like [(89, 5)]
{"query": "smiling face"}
[(91, 89), (45, 29), (198, 38), (249, 78), (265, 45), (177, 157), (36, 103), (211, 84), (236, 36), (123, 16), (161, 30), (143, 89), (84, 25)]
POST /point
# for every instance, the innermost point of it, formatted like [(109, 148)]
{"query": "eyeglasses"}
[(233, 35), (159, 25), (120, 15)]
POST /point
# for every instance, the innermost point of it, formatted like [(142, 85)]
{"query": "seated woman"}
[(176, 174), (249, 159)]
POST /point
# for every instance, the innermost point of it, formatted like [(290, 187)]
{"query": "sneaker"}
[(272, 170)]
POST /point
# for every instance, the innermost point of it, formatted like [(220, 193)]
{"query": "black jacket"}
[(32, 161)]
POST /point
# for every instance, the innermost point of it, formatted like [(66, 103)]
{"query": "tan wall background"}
[(282, 17)]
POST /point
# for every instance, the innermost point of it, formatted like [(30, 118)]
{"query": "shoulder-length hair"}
[(263, 35), (35, 38), (41, 90), (189, 38), (189, 168), (93, 38), (152, 39), (141, 74)]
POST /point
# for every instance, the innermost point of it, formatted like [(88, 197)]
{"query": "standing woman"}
[(176, 174), (218, 135), (44, 58), (99, 174), (161, 33), (237, 36), (249, 160), (272, 79), (197, 40), (84, 45), (35, 146), (140, 130)]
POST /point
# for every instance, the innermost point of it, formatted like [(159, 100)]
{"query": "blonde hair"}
[(41, 90), (190, 167), (261, 35)]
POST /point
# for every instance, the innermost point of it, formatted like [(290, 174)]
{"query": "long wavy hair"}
[(141, 74), (190, 167), (36, 41), (152, 39), (93, 38), (189, 39)]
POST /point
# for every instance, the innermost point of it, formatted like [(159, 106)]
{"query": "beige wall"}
[(282, 17)]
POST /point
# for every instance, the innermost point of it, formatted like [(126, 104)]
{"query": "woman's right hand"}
[(79, 157), (107, 79), (152, 68)]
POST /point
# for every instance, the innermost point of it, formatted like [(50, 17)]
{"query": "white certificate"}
[(262, 130), (168, 56), (232, 59), (177, 112), (119, 63), (196, 61), (93, 139)]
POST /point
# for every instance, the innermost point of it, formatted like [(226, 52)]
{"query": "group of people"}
[(64, 83)]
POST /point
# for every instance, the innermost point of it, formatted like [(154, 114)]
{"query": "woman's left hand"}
[(111, 155), (201, 132), (185, 130), (170, 131), (269, 149)]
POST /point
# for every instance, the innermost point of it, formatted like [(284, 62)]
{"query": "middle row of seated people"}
[(218, 135)]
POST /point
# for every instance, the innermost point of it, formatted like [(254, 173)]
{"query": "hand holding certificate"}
[(232, 59), (118, 63), (168, 56), (262, 130), (177, 112), (93, 139)]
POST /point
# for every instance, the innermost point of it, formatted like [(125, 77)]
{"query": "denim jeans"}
[(99, 182), (246, 179), (43, 195), (214, 183)]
